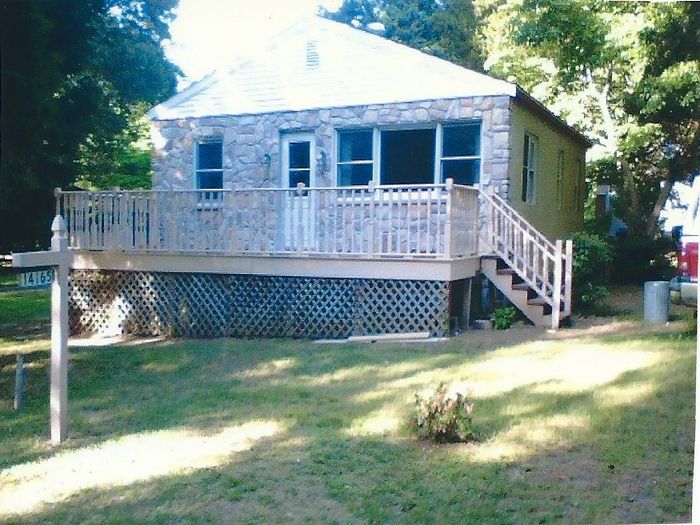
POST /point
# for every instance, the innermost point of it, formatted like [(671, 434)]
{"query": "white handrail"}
[(545, 267)]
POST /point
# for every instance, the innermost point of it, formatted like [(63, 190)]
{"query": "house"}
[(335, 184)]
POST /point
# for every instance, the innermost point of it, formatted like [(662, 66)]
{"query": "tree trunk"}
[(651, 226)]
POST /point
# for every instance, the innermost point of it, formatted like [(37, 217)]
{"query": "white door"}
[(298, 165)]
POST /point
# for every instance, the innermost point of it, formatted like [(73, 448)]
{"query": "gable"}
[(318, 63)]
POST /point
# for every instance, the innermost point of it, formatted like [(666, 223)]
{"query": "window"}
[(209, 162), (461, 148), (560, 177), (355, 159), (299, 163), (529, 169), (408, 156)]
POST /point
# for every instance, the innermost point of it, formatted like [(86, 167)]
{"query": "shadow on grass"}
[(618, 449)]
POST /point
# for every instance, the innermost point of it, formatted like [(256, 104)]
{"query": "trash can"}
[(656, 299)]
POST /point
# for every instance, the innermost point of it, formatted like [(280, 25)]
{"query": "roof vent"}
[(312, 58)]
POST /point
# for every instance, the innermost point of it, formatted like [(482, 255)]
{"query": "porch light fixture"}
[(321, 159), (266, 160)]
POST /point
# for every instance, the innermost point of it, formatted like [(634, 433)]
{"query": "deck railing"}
[(407, 221)]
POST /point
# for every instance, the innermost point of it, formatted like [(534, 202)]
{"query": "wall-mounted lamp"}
[(321, 159), (266, 160)]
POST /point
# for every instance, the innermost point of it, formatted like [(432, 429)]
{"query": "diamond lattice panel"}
[(213, 305)]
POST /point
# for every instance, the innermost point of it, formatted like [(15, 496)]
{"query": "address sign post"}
[(60, 258)]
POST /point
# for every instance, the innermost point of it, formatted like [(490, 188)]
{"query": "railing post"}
[(57, 195), (568, 275), (300, 213), (556, 289), (449, 187), (372, 218)]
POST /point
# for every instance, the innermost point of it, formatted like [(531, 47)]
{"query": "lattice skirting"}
[(214, 305)]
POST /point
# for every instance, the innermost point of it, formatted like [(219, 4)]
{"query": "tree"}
[(637, 89), (76, 76), (446, 29)]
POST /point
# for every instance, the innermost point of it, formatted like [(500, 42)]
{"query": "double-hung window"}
[(530, 153), (461, 153), (355, 157), (209, 171), (560, 178)]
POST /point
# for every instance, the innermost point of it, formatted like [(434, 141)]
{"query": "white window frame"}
[(289, 138), (438, 154), (529, 180), (197, 170), (373, 161)]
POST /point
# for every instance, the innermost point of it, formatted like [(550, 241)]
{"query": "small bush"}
[(443, 418), (504, 317), (592, 258)]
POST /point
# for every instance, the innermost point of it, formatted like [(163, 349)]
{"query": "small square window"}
[(355, 161), (461, 154), (209, 166)]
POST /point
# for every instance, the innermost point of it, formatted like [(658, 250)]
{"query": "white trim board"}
[(293, 266)]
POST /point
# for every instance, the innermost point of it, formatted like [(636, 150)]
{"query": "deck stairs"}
[(532, 272)]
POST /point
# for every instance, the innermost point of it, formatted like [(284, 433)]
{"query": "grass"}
[(590, 425)]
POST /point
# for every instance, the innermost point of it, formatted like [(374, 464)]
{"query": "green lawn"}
[(587, 425)]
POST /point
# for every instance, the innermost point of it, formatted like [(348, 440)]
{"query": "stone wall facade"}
[(248, 138)]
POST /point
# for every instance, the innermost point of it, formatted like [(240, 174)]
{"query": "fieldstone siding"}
[(247, 138)]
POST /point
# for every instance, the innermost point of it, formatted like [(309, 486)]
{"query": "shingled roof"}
[(318, 63)]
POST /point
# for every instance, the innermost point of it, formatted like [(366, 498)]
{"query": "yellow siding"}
[(553, 218)]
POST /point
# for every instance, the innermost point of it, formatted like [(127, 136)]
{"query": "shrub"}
[(640, 259), (444, 418), (592, 258), (504, 317)]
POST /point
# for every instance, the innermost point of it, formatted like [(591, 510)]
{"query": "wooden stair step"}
[(537, 301), (521, 286), (505, 271)]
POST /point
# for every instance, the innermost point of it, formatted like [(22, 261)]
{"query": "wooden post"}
[(372, 217), (568, 275), (300, 217), (556, 289), (59, 336), (61, 259), (447, 239), (19, 382)]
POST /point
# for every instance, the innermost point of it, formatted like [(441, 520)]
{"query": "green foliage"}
[(447, 29), (123, 160), (627, 74), (504, 317), (75, 76), (444, 418), (592, 258)]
